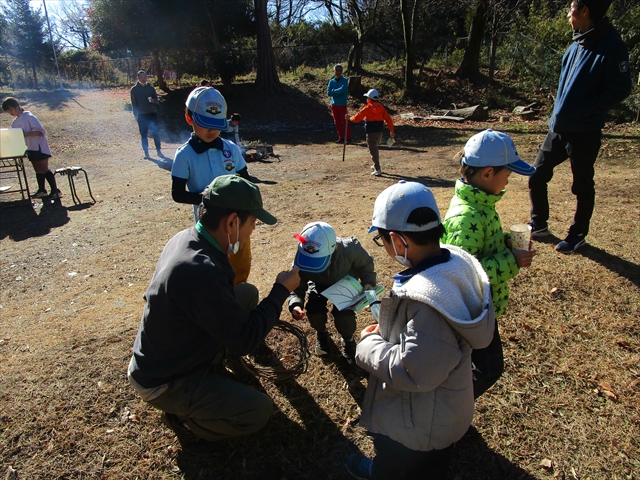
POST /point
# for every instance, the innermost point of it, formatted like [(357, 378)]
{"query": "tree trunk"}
[(407, 27), (35, 76), (266, 76), (494, 45), (470, 66), (156, 64)]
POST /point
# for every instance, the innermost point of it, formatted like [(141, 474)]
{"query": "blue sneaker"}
[(571, 243), (360, 467)]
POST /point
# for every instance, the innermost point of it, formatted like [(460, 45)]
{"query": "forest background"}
[(517, 43)]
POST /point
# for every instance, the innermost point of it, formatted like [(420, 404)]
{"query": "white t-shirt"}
[(28, 123)]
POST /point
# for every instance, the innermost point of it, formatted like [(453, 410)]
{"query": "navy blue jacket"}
[(595, 77)]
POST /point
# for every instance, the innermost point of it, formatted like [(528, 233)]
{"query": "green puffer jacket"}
[(473, 224)]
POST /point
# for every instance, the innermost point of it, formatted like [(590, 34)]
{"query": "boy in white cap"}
[(472, 223), (419, 397), (374, 114), (206, 156), (323, 260)]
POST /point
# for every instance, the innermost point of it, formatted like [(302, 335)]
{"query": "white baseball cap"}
[(208, 107), (494, 149), (372, 94), (394, 205), (317, 244)]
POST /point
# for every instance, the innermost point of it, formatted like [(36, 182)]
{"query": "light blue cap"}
[(209, 108), (494, 149), (394, 205)]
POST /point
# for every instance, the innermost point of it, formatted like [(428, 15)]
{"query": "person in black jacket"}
[(144, 101), (595, 76), (194, 314)]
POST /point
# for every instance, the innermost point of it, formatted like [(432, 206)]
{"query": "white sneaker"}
[(376, 173)]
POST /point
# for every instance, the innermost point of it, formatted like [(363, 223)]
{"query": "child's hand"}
[(375, 328), (297, 313), (524, 257)]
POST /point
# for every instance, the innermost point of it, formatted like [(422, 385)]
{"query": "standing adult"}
[(338, 90), (194, 315), (595, 76), (144, 101)]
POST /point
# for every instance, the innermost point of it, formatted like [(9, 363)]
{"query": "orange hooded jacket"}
[(374, 114)]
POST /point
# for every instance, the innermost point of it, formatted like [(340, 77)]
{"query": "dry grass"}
[(73, 279)]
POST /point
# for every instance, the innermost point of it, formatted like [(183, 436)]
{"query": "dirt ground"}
[(73, 277)]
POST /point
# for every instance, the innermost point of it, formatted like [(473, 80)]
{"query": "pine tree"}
[(26, 35)]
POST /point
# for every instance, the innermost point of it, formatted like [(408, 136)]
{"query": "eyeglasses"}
[(378, 240)]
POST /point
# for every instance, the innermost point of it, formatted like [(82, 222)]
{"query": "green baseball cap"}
[(233, 191)]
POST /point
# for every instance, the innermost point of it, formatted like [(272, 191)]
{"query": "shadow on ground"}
[(21, 222)]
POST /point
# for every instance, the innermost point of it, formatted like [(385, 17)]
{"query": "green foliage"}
[(25, 35)]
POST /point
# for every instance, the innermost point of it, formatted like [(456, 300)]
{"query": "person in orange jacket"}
[(374, 114)]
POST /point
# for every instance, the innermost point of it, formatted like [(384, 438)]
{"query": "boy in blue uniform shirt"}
[(206, 156)]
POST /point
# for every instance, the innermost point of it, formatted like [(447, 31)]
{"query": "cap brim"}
[(372, 229), (521, 167), (311, 264), (208, 122), (265, 217)]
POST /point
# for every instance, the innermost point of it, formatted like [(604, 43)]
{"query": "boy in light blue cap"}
[(206, 156), (324, 259), (419, 398), (472, 223)]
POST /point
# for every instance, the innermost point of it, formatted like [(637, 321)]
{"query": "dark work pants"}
[(316, 308), (489, 365), (148, 123), (393, 460), (581, 148)]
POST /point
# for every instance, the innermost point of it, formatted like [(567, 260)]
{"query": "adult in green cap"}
[(194, 315)]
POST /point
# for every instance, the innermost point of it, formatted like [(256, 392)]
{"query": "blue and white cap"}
[(394, 205), (208, 107), (317, 244), (494, 149)]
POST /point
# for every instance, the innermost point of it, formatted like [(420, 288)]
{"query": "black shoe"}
[(323, 343), (340, 140), (189, 441), (40, 194), (146, 155), (349, 350), (571, 243), (55, 195), (538, 231)]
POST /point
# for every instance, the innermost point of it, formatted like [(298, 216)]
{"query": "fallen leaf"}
[(546, 463)]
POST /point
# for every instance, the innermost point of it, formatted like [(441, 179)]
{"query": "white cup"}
[(520, 236), (150, 99)]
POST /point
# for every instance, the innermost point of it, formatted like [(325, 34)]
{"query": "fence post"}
[(294, 60)]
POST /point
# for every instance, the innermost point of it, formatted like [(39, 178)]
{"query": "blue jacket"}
[(338, 90), (595, 77)]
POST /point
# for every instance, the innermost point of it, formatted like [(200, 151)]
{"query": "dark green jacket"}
[(473, 224)]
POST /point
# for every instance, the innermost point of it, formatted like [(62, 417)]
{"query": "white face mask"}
[(402, 260), (233, 248)]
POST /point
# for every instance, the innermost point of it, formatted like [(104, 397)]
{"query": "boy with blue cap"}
[(323, 260), (419, 398), (207, 156), (472, 223)]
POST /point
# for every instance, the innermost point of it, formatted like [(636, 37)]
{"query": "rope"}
[(279, 373)]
